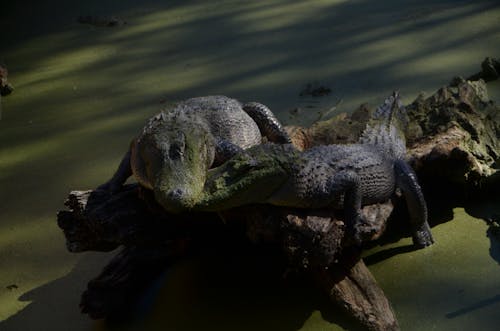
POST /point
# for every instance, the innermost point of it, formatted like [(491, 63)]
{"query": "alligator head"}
[(172, 159)]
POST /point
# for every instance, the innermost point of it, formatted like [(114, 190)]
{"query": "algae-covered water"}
[(83, 91)]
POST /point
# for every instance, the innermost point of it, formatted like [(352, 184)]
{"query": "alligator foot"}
[(363, 232), (423, 237)]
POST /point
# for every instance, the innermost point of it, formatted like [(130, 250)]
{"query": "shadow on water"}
[(471, 308), (57, 301), (489, 211), (220, 290), (387, 253), (439, 211), (494, 237), (238, 289), (184, 50), (442, 199)]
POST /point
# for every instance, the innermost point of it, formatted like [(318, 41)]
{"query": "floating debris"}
[(12, 287), (101, 21), (315, 90)]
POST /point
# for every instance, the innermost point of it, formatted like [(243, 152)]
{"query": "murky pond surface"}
[(83, 91)]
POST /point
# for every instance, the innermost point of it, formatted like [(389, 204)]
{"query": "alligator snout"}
[(175, 201), (176, 194)]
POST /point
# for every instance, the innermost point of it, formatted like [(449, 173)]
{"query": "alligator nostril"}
[(176, 194)]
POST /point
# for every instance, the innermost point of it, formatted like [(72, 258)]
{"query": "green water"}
[(82, 92), (453, 285)]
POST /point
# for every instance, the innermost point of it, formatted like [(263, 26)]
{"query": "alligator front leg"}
[(347, 185), (224, 150), (406, 180), (121, 175), (268, 124)]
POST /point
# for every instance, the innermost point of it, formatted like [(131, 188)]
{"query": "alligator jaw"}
[(174, 201)]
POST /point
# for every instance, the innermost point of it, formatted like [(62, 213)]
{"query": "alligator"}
[(175, 149), (339, 176)]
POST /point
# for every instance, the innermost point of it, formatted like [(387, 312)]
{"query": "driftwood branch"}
[(352, 287), (99, 221)]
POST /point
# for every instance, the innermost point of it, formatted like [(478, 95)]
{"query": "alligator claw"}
[(423, 238)]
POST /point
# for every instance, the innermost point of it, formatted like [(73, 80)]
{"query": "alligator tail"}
[(386, 127)]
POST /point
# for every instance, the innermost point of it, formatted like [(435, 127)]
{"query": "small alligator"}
[(175, 149), (339, 176)]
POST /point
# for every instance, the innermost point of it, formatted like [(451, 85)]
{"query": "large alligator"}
[(339, 176), (175, 149)]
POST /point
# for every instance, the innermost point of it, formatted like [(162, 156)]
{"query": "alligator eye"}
[(175, 152)]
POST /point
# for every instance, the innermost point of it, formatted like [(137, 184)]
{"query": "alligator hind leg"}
[(267, 122), (406, 180), (121, 175), (347, 183)]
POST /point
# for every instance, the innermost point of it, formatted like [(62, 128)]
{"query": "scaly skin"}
[(174, 151), (340, 176)]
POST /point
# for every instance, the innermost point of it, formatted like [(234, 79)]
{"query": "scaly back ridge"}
[(386, 127)]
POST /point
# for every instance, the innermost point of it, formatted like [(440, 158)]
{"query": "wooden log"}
[(312, 242), (99, 221), (317, 242), (490, 70), (352, 287)]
